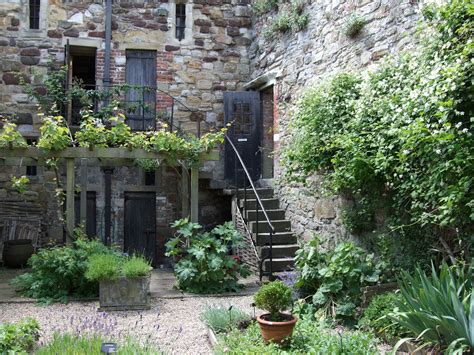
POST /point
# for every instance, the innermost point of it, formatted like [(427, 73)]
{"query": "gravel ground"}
[(172, 325)]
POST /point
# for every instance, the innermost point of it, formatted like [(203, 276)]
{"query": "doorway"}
[(140, 224), (242, 111)]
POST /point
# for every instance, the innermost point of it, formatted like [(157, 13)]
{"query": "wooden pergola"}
[(108, 157)]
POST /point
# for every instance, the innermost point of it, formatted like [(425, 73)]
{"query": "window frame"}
[(180, 21), (34, 14)]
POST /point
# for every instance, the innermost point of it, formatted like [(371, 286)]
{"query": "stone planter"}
[(125, 294)]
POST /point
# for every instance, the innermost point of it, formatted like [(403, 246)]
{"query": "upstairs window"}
[(34, 14), (180, 20)]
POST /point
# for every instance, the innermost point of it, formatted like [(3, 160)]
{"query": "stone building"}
[(198, 56)]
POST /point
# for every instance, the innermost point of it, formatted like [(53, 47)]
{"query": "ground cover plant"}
[(376, 317), (70, 344), (438, 308), (202, 260), (401, 135), (332, 280), (309, 337), (224, 319), (58, 273), (18, 337)]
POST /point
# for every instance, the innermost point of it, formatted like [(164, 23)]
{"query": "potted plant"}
[(275, 297), (124, 283)]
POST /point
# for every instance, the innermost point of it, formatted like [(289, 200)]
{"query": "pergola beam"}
[(100, 153)]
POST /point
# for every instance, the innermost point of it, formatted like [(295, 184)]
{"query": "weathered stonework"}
[(211, 59), (298, 61)]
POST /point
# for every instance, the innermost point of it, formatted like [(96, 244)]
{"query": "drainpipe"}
[(108, 39)]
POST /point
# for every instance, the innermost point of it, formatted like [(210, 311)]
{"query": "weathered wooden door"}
[(140, 98), (140, 224), (242, 110)]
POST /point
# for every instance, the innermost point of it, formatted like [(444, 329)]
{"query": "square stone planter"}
[(125, 294)]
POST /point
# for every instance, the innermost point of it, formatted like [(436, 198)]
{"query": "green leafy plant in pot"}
[(275, 297)]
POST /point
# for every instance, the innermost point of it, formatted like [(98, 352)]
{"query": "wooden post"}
[(184, 193), (194, 194), (69, 200), (83, 201)]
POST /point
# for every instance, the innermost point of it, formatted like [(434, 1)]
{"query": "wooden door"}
[(140, 98), (242, 110), (140, 224)]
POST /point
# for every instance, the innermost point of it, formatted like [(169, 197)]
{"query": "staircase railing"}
[(258, 207)]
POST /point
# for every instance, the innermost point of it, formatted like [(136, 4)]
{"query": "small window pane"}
[(34, 14), (180, 20)]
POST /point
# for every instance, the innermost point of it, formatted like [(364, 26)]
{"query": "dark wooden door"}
[(140, 224), (140, 99), (242, 110)]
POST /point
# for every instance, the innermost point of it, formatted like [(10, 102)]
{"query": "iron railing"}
[(258, 207), (143, 106)]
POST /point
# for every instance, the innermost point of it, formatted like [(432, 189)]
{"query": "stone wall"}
[(300, 60), (212, 58)]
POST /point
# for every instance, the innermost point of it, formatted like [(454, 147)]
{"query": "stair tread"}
[(275, 220), (281, 246)]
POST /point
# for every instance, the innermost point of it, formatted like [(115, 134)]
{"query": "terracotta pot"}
[(276, 331)]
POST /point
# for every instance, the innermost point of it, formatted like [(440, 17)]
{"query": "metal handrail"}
[(259, 203)]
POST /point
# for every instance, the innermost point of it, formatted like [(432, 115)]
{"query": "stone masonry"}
[(300, 60)]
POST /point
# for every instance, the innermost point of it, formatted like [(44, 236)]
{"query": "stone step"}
[(261, 192), (263, 226), (279, 264), (272, 214), (268, 203), (279, 251), (278, 238)]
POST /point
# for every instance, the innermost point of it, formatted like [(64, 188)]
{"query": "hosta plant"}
[(438, 308), (202, 260)]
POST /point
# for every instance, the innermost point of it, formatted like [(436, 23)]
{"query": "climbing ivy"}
[(402, 133)]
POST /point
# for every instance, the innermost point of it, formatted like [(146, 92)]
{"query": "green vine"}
[(403, 133), (20, 184), (10, 137)]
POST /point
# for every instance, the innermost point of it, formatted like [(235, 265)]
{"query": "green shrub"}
[(18, 337), (59, 273), (335, 277), (376, 317), (309, 337), (68, 344), (104, 267), (222, 320), (202, 261), (438, 309), (274, 297), (136, 266)]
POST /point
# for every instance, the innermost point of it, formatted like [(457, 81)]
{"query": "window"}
[(82, 66), (150, 178), (242, 118), (34, 14), (180, 20), (31, 170)]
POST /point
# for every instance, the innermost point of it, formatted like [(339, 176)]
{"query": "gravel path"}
[(172, 325)]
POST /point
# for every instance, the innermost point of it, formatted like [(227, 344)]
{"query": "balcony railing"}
[(146, 108)]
